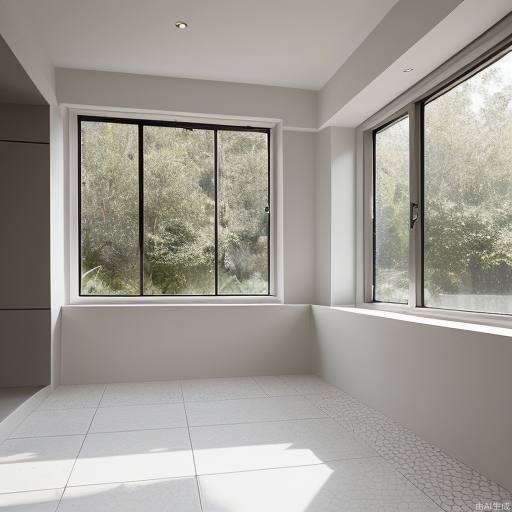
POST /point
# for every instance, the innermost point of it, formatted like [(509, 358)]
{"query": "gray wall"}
[(25, 245), (448, 384), (161, 342)]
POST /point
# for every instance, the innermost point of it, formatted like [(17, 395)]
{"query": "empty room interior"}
[(256, 256)]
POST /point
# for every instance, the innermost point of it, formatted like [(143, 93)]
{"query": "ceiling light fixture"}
[(182, 25), (407, 70)]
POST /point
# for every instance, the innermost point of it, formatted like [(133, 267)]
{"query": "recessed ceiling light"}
[(181, 25), (407, 70)]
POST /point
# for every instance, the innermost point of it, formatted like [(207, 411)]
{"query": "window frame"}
[(480, 54), (76, 116), (404, 114)]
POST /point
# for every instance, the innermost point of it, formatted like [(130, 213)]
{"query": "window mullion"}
[(216, 229), (141, 208)]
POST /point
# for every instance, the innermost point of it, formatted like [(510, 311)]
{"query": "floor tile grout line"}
[(170, 402), (259, 386), (210, 425), (440, 507), (193, 456), (252, 422), (294, 466), (197, 476), (80, 450), (33, 490)]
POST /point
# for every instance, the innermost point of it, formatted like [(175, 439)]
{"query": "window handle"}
[(413, 214), (267, 209)]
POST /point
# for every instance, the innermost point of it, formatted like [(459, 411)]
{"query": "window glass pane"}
[(468, 194), (109, 209), (179, 211), (391, 244), (243, 228)]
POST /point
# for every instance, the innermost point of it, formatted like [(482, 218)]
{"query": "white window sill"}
[(174, 301), (475, 322)]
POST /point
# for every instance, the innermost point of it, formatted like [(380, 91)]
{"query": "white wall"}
[(343, 209), (450, 385), (323, 218), (142, 343), (295, 107), (335, 216), (298, 216), (58, 226)]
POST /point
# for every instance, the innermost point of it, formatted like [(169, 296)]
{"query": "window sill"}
[(174, 301), (475, 322)]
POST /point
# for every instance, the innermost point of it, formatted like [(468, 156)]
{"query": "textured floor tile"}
[(139, 417), (130, 456), (449, 483), (251, 410), (276, 386), (141, 393), (344, 486), (71, 397), (37, 463), (55, 423), (309, 384), (220, 389), (32, 501), (172, 495), (226, 448)]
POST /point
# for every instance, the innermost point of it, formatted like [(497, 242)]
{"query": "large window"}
[(173, 209), (457, 216), (468, 193)]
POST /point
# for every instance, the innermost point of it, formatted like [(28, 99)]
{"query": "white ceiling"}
[(292, 43)]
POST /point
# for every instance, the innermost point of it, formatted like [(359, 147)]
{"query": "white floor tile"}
[(141, 393), (220, 389), (37, 463), (130, 456), (32, 501), (139, 417), (55, 423), (342, 486), (251, 410), (71, 397), (276, 386), (226, 448), (309, 384), (173, 495)]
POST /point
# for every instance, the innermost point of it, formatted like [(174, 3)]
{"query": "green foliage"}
[(179, 211)]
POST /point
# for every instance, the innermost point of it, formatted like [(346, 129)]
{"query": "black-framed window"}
[(173, 209), (438, 194)]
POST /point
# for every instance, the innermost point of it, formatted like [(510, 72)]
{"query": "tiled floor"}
[(12, 397), (265, 444)]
